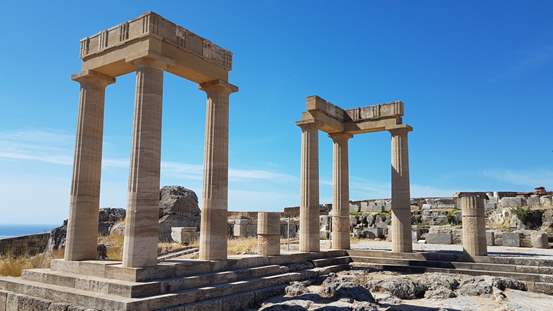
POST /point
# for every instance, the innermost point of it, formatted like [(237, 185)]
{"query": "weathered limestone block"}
[(240, 230), (439, 238), (533, 201), (289, 230), (546, 200), (511, 202), (16, 302), (354, 207), (547, 220), (268, 234), (415, 235), (184, 235), (540, 240), (490, 205), (526, 238), (490, 238), (3, 300), (511, 239), (377, 232)]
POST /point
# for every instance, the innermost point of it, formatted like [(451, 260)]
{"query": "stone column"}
[(474, 222), (213, 229), (268, 234), (309, 184), (82, 226), (142, 220), (340, 191), (401, 197)]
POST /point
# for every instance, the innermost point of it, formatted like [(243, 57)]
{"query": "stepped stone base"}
[(177, 284)]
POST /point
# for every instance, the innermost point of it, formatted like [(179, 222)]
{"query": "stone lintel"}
[(376, 112), (316, 103), (331, 118), (196, 58)]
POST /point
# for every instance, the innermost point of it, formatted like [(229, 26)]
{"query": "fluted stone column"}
[(309, 184), (474, 222), (82, 226), (213, 229), (141, 222), (401, 211), (340, 191), (268, 234)]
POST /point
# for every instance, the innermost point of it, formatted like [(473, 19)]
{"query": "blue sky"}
[(476, 78)]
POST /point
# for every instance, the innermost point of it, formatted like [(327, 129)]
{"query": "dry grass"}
[(242, 246), (114, 244), (13, 266)]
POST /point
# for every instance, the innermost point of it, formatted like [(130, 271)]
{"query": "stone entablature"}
[(152, 24), (333, 119), (185, 54)]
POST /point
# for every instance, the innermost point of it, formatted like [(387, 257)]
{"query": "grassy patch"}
[(242, 246), (13, 266)]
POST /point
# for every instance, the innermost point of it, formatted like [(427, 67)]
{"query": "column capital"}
[(218, 86), (400, 130), (305, 125), (94, 78), (340, 137)]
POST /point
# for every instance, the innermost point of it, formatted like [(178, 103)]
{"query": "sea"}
[(9, 231)]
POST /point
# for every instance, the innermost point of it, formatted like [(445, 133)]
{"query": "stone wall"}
[(24, 245)]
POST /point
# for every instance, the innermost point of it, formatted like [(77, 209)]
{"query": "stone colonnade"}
[(141, 224), (268, 233), (309, 205), (474, 222)]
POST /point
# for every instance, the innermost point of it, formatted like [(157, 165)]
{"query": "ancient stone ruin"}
[(149, 45), (341, 125)]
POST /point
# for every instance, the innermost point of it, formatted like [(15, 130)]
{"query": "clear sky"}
[(475, 76)]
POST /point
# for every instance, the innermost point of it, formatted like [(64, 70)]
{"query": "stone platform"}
[(176, 284), (537, 273)]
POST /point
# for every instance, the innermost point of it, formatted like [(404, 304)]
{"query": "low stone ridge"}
[(369, 290), (107, 219)]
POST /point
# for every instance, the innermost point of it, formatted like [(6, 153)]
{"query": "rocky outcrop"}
[(107, 218), (178, 207), (370, 290)]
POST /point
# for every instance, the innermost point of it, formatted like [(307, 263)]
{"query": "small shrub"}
[(530, 218)]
